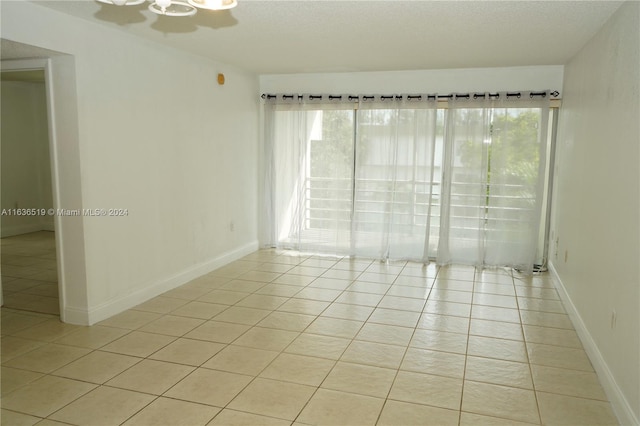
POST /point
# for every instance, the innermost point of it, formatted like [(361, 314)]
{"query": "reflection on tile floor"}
[(29, 272), (280, 338)]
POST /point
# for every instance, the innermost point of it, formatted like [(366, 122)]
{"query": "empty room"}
[(297, 212)]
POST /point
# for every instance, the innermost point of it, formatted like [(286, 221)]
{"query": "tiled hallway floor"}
[(277, 339), (29, 272)]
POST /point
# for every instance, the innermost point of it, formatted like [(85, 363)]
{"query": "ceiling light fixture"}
[(123, 2), (177, 7)]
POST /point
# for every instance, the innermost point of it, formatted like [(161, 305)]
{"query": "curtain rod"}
[(554, 94)]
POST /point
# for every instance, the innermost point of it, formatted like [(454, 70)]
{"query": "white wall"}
[(159, 137), (422, 81), (596, 207), (26, 175)]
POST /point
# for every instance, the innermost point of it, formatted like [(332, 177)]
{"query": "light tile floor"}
[(29, 272), (278, 339)]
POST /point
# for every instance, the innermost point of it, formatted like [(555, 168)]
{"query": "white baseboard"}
[(113, 307), (619, 403), (77, 316)]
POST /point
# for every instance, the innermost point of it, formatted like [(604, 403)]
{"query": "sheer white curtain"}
[(465, 167), (401, 178), (397, 178), (352, 178), (308, 151), (492, 198)]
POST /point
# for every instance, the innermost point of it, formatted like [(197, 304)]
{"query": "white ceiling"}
[(276, 36)]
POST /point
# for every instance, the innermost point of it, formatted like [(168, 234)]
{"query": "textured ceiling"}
[(273, 36), (12, 50)]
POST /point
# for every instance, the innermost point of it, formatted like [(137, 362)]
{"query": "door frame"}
[(64, 155)]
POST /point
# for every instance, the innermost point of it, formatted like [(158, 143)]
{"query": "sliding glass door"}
[(329, 183), (397, 183), (495, 165), (309, 180), (409, 180)]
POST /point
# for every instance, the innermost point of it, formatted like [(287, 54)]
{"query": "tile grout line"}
[(99, 385), (343, 352), (316, 317), (526, 349), (466, 353), (282, 351), (395, 377)]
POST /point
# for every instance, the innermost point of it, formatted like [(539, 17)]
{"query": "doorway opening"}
[(28, 252)]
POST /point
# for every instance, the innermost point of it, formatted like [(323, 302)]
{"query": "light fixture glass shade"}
[(174, 8), (214, 4), (122, 2)]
